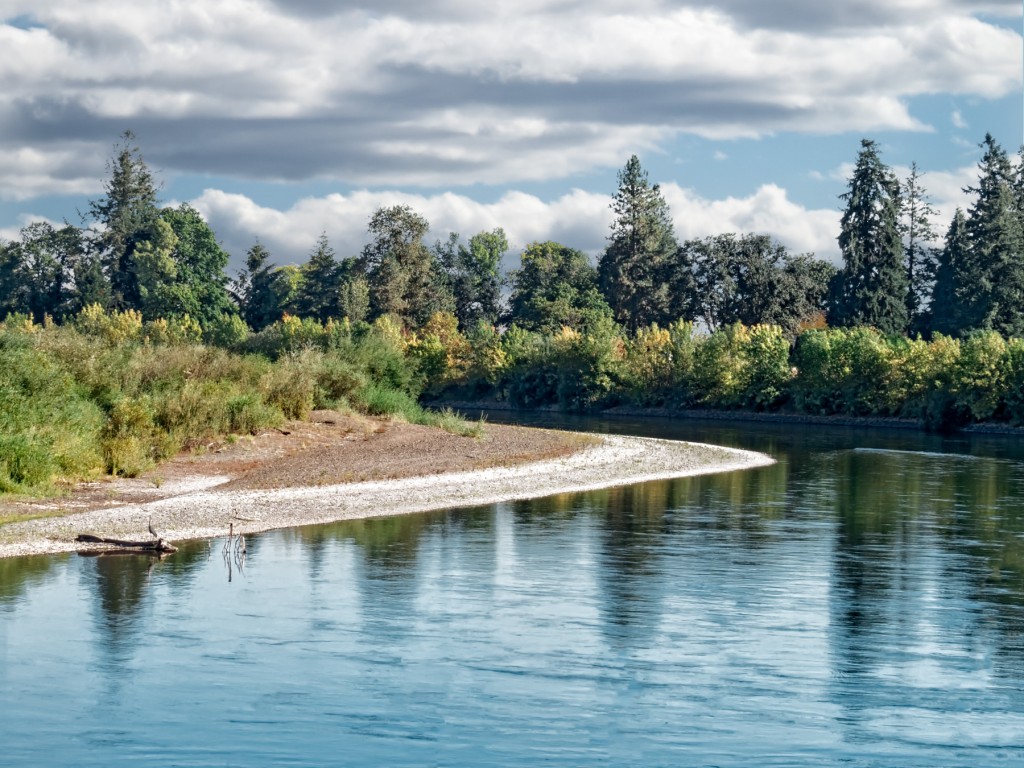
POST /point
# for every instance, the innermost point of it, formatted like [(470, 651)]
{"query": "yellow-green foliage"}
[(918, 371), (767, 371), (177, 330), (842, 370), (440, 350), (980, 378), (290, 384), (130, 439), (648, 363), (741, 367), (488, 360), (115, 327)]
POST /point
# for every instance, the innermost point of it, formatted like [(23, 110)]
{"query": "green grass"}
[(76, 405)]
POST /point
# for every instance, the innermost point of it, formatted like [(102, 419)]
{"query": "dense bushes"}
[(941, 383), (109, 393)]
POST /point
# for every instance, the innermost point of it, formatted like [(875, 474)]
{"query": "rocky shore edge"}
[(200, 508)]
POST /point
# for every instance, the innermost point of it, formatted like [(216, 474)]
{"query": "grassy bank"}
[(109, 394)]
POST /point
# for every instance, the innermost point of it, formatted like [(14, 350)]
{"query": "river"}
[(859, 603)]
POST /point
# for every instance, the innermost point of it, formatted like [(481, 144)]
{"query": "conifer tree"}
[(631, 272), (871, 289), (260, 290), (994, 267), (951, 292), (318, 294), (921, 257), (127, 214)]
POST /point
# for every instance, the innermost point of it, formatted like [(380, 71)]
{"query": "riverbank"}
[(757, 417), (342, 467)]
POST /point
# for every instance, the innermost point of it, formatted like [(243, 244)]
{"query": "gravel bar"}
[(205, 512)]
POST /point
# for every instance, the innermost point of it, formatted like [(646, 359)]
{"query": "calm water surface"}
[(860, 603)]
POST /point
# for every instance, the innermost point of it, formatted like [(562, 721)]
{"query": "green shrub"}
[(227, 331), (338, 382), (248, 414), (290, 386), (25, 462), (980, 379), (382, 400), (129, 441)]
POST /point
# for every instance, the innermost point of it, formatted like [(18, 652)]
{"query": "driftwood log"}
[(158, 544), (155, 545)]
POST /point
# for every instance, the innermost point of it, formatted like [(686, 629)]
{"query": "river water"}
[(860, 603)]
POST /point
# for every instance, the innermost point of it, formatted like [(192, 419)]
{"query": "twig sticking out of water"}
[(234, 551)]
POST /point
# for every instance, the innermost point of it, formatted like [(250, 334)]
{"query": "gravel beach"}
[(305, 478)]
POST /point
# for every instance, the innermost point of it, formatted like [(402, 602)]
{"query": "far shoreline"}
[(470, 407), (203, 511)]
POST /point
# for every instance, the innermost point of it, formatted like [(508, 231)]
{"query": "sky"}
[(280, 120)]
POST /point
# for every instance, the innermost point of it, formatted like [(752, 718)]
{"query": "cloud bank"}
[(454, 93)]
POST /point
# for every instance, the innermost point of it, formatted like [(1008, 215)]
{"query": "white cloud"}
[(946, 191), (454, 93), (957, 119), (578, 219), (28, 172), (768, 211)]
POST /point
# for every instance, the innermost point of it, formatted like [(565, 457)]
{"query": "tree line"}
[(131, 254)]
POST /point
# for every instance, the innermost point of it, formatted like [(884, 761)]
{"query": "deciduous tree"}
[(405, 279), (555, 287)]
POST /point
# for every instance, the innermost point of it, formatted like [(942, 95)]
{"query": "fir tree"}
[(127, 214), (871, 289), (631, 271), (994, 267), (319, 291), (260, 289), (921, 257), (950, 293)]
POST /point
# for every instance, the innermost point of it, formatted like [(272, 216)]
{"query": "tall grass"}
[(111, 395)]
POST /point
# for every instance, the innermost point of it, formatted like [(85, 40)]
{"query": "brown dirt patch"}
[(328, 449)]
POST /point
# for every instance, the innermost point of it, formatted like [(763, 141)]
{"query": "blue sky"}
[(281, 120)]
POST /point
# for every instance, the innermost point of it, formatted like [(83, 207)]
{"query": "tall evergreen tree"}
[(318, 294), (871, 289), (951, 294), (921, 256), (994, 266), (260, 290), (631, 271), (127, 215)]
